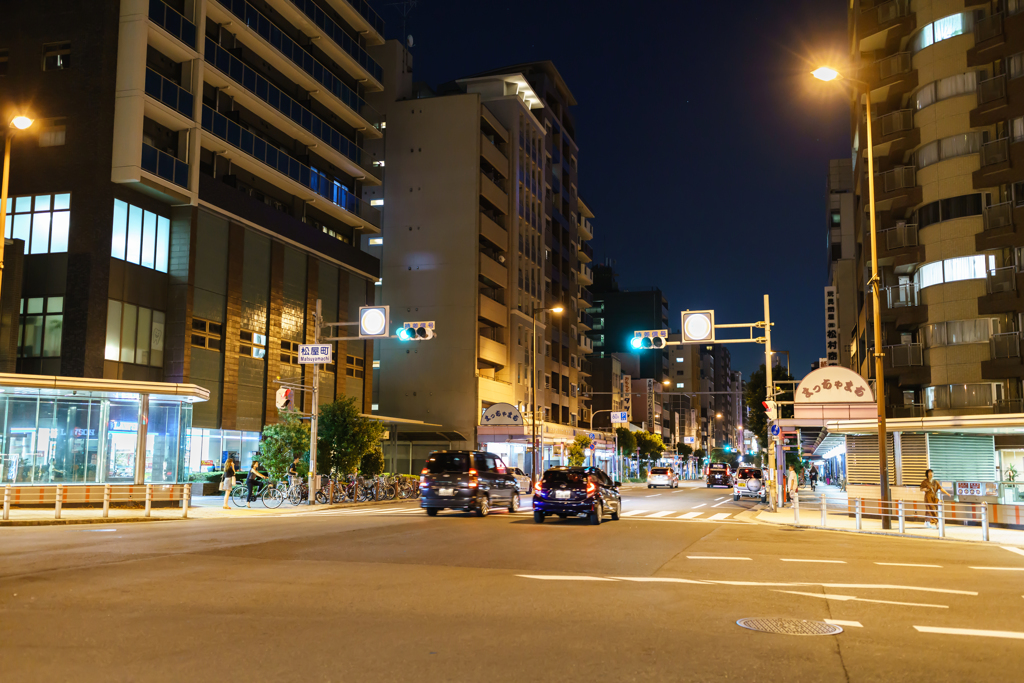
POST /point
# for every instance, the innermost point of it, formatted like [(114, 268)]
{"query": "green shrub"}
[(205, 477)]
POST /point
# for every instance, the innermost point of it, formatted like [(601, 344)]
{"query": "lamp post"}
[(17, 123), (827, 74), (536, 455)]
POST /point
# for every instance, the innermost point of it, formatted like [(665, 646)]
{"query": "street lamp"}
[(826, 74), (17, 123), (536, 456)]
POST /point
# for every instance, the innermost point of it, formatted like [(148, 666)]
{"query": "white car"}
[(749, 483), (523, 482), (662, 476)]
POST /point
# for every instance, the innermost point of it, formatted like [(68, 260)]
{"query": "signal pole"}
[(314, 418)]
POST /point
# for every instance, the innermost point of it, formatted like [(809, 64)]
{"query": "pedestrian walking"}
[(227, 481), (791, 483), (931, 487), (814, 477), (255, 474)]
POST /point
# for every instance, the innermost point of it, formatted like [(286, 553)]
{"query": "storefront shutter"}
[(962, 458), (862, 459), (913, 458)]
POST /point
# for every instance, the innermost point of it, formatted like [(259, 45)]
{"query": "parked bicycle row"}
[(352, 489)]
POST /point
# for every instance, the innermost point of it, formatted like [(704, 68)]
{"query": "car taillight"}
[(591, 488), (472, 479), (425, 471), (538, 491)]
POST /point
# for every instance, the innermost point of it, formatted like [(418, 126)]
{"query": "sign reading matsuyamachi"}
[(314, 353), (502, 414)]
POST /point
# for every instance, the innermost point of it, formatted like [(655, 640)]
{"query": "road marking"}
[(722, 498), (544, 577), (663, 513), (722, 503), (890, 586), (1003, 569), (711, 557), (653, 495), (655, 579), (719, 515), (633, 513), (970, 632), (852, 598), (786, 559), (841, 622), (690, 515), (1012, 550), (699, 506), (904, 564)]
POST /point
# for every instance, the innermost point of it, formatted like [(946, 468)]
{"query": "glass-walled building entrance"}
[(67, 430)]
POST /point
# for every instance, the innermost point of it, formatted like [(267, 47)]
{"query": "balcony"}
[(163, 165), (586, 320), (992, 102), (904, 355), (587, 344), (1005, 345), (906, 410), (493, 272), (896, 188), (273, 104), (988, 28), (170, 93), (1001, 230), (890, 77), (905, 363), (587, 297), (308, 182), (995, 152), (493, 155), (999, 280), (490, 191), (894, 122), (1005, 360), (493, 233), (492, 352), (586, 253), (586, 229), (368, 15), (586, 274), (999, 216), (492, 311), (340, 46), (172, 22), (901, 304), (899, 246), (1008, 406)]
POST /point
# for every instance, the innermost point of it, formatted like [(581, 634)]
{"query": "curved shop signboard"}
[(502, 414)]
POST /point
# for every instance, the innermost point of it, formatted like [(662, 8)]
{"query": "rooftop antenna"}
[(405, 8)]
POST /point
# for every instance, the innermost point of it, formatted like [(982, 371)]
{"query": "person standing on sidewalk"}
[(791, 483), (813, 477), (931, 487), (227, 481)]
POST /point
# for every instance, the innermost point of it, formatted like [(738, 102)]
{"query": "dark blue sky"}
[(704, 143)]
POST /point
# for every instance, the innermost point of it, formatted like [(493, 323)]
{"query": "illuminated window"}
[(135, 334), (376, 241), (253, 344), (943, 29), (42, 221), (679, 385), (140, 237), (953, 270), (376, 202)]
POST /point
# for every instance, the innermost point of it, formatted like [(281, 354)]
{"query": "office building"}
[(191, 187), (618, 314), (843, 275)]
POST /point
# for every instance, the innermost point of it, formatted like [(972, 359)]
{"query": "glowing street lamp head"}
[(21, 122), (825, 74), (557, 309)]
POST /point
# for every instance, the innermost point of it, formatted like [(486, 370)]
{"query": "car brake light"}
[(591, 488), (425, 471), (472, 479)]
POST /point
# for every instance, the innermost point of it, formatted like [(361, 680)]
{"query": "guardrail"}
[(101, 495)]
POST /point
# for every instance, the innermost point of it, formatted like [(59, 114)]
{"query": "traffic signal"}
[(420, 331), (649, 339), (285, 398), (771, 410), (698, 326), (373, 321)]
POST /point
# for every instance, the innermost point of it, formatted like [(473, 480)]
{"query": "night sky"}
[(704, 143)]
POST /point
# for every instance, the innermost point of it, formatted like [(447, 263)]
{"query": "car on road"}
[(577, 492), (523, 481), (718, 474), (749, 483), (662, 476), (474, 481)]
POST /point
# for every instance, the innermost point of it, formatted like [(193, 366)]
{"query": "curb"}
[(90, 520), (890, 534)]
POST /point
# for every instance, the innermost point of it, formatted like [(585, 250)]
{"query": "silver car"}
[(523, 481), (662, 476), (749, 483)]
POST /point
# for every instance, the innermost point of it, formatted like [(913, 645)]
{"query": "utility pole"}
[(314, 418), (770, 392)]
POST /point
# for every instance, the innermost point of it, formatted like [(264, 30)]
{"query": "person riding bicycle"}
[(293, 471), (814, 476), (255, 474)]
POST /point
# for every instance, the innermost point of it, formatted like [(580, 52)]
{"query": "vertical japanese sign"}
[(650, 405), (831, 327)]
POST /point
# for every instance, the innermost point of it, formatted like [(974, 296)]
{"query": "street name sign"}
[(314, 353)]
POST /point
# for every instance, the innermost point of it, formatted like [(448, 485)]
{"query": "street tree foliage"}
[(627, 442), (348, 442), (756, 392), (281, 442), (684, 449), (720, 455), (578, 450)]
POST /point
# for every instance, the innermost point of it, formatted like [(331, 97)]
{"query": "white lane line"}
[(786, 559), (970, 632), (690, 515), (891, 586), (1012, 549), (544, 577), (852, 598), (663, 513), (841, 622), (711, 557), (655, 579), (1002, 569), (653, 495), (719, 515), (904, 564), (722, 498), (699, 506), (722, 503), (633, 513)]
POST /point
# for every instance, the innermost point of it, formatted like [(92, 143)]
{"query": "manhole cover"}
[(790, 627)]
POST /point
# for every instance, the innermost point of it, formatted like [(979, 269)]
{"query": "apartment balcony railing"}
[(904, 355), (988, 28), (1001, 279), (172, 22), (302, 59), (169, 92), (899, 63), (367, 12), (995, 152), (902, 296), (587, 296), (331, 190), (1005, 345), (1009, 405), (236, 70), (892, 10), (587, 319), (902, 235), (999, 215), (894, 122), (164, 165), (588, 250), (340, 38), (992, 89), (899, 178)]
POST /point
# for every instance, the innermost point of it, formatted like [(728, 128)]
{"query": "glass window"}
[(448, 462), (135, 334), (156, 344), (56, 56), (925, 96), (134, 245), (41, 328), (929, 274), (120, 230), (140, 237), (129, 318), (1015, 65), (52, 132), (41, 221), (113, 346), (148, 240)]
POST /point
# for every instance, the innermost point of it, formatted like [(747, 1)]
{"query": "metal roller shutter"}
[(962, 458), (913, 458), (862, 459)]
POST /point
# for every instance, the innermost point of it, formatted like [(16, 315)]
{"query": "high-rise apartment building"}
[(843, 274), (191, 187), (618, 314), (484, 232)]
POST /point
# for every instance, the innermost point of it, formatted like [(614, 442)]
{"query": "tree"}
[(627, 442), (281, 442), (756, 392), (578, 450), (346, 441), (684, 450), (650, 445)]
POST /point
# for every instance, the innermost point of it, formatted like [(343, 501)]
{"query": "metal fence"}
[(95, 496)]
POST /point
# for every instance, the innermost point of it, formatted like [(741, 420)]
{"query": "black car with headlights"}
[(576, 492), (467, 480)]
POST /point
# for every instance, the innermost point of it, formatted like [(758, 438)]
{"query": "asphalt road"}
[(388, 594)]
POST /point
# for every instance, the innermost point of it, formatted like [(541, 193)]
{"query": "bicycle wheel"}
[(389, 492), (272, 498), (239, 495), (321, 497), (296, 495)]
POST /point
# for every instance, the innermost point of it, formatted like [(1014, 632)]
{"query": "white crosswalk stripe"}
[(633, 513), (707, 515), (690, 515), (720, 515), (663, 513)]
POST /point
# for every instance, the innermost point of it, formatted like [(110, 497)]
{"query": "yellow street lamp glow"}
[(825, 74), (557, 309), (21, 122), (666, 382)]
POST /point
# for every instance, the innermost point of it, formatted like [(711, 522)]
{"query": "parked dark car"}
[(467, 480), (576, 492), (719, 474)]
